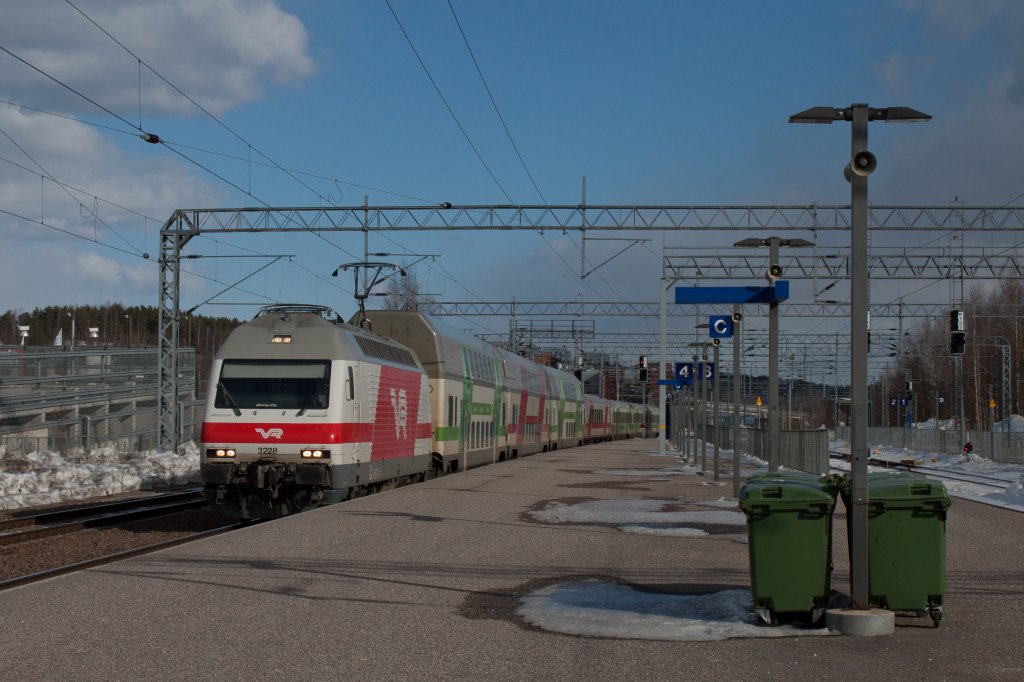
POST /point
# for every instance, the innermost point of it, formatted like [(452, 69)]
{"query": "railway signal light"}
[(957, 343)]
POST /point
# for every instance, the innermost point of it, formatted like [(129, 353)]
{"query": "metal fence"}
[(800, 450), (91, 397), (1004, 447)]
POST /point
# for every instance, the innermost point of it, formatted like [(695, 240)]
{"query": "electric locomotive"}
[(304, 411)]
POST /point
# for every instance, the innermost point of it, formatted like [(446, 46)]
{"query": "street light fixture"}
[(862, 163)]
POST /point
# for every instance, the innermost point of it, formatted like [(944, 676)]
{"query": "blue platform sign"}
[(684, 373), (892, 402), (942, 399), (693, 295), (706, 371), (904, 402), (720, 326)]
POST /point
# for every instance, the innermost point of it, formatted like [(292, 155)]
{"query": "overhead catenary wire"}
[(184, 156), (505, 127), (447, 106), (172, 143), (494, 103), (49, 176), (191, 100), (250, 146)]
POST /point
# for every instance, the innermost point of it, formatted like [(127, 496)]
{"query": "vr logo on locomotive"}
[(400, 407), (271, 433)]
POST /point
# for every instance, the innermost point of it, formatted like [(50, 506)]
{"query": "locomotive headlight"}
[(315, 454), (220, 452)]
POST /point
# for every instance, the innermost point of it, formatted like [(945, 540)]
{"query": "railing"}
[(133, 431), (800, 450), (1003, 447), (64, 400)]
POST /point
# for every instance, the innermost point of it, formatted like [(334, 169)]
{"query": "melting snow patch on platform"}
[(671, 531), (601, 609), (684, 470), (725, 502), (631, 512)]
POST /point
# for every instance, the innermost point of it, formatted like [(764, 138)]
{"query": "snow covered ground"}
[(45, 477), (970, 467)]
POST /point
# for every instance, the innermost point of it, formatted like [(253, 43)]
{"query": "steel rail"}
[(117, 556)]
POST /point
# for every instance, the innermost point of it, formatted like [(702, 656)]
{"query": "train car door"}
[(353, 394)]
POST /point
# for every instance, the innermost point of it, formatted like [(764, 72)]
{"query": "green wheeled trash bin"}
[(789, 532), (906, 543)]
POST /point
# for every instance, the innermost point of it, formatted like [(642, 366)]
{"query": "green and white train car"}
[(466, 384)]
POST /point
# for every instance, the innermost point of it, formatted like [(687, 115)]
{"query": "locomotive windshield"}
[(284, 384)]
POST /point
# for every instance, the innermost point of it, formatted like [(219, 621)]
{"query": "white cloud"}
[(893, 70), (217, 51)]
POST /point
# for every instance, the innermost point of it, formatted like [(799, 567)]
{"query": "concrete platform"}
[(422, 583)]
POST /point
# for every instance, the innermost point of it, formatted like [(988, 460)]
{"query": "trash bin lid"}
[(906, 489), (781, 493), (876, 478), (789, 475)]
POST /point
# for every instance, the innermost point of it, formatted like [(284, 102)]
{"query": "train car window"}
[(451, 410), (350, 385), (281, 384)]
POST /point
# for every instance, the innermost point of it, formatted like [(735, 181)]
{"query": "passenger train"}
[(304, 410)]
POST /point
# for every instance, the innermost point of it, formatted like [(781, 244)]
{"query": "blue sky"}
[(654, 102)]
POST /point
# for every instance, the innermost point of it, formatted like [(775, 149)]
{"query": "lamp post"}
[(862, 163), (72, 316), (774, 274), (737, 378)]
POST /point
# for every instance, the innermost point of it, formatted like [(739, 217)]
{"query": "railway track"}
[(21, 529), (117, 556), (995, 483)]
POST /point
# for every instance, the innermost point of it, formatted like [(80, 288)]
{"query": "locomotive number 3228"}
[(266, 451)]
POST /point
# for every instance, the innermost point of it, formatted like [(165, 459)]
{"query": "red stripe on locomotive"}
[(297, 434)]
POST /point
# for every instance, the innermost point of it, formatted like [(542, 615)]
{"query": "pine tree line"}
[(931, 366), (117, 326)]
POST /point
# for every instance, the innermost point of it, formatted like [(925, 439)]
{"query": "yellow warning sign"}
[(759, 401), (991, 402)]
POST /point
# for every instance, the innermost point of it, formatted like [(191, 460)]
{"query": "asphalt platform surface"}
[(423, 582)]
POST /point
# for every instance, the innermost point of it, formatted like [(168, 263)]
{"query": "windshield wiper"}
[(231, 401)]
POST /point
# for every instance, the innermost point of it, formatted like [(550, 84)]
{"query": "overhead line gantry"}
[(184, 224)]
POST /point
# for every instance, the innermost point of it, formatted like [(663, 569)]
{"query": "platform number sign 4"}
[(684, 373)]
